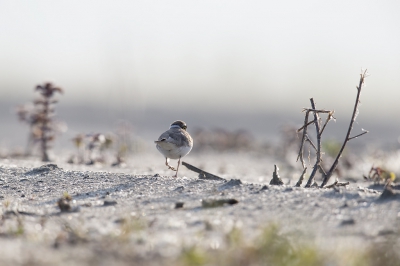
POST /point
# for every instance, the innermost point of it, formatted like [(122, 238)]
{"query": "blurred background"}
[(234, 65)]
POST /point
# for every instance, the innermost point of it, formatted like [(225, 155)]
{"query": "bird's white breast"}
[(174, 153)]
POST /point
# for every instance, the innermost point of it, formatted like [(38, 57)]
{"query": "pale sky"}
[(233, 55)]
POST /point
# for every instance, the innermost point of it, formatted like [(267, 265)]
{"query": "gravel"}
[(118, 216)]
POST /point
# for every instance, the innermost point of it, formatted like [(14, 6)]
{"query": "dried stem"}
[(45, 129), (44, 115), (330, 116), (338, 184), (298, 184), (202, 174), (318, 160), (316, 111), (300, 156), (365, 132), (311, 143), (309, 123), (353, 118)]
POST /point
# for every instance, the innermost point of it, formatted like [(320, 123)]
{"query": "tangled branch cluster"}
[(319, 130)]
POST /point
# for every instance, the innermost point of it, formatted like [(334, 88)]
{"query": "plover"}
[(175, 143)]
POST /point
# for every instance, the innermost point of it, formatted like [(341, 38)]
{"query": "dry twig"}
[(318, 160), (304, 137), (202, 174), (338, 184), (328, 175), (298, 184)]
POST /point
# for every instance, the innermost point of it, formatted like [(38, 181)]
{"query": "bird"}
[(175, 143)]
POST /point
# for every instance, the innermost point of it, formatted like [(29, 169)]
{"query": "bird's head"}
[(179, 124)]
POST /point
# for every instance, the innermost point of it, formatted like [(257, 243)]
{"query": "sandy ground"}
[(125, 216)]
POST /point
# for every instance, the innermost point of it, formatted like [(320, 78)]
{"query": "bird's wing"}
[(165, 145), (168, 141)]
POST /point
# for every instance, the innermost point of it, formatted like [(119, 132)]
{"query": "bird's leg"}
[(177, 168), (169, 166)]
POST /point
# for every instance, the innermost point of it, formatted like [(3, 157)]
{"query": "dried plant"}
[(64, 203), (378, 174), (97, 147), (45, 113), (40, 118), (319, 127), (91, 148)]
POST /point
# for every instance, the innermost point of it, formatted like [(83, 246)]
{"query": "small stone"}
[(179, 205), (385, 232), (212, 203), (349, 221), (179, 189), (110, 202)]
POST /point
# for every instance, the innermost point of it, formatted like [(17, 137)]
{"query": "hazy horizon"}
[(149, 124)]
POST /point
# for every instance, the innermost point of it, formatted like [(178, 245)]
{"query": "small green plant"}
[(193, 256), (331, 147), (271, 247), (6, 203), (130, 225), (17, 230), (20, 230)]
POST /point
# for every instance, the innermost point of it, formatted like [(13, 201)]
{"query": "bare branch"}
[(318, 160), (309, 123), (316, 111), (338, 184), (300, 156), (329, 118), (311, 143), (347, 138), (321, 170), (202, 174), (365, 132), (298, 184)]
